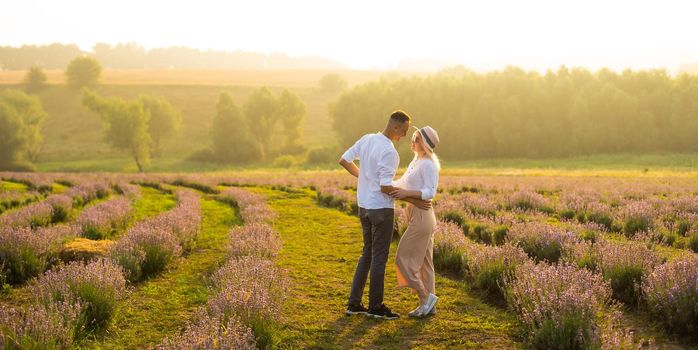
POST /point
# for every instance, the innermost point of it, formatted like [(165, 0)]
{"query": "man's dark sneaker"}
[(356, 310), (382, 312)]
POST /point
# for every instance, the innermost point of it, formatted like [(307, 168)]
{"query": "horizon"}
[(482, 37)]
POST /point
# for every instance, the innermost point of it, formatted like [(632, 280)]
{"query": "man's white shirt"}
[(378, 162)]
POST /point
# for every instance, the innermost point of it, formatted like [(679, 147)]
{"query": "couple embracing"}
[(376, 192)]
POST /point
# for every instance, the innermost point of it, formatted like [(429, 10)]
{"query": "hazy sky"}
[(380, 34)]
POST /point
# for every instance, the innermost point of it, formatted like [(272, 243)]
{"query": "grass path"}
[(162, 306), (321, 248)]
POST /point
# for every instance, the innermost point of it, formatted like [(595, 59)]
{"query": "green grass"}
[(162, 306), (151, 203), (320, 251), (12, 186)]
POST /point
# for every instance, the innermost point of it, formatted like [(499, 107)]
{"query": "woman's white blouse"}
[(421, 175)]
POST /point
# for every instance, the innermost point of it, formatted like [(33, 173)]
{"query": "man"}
[(379, 161)]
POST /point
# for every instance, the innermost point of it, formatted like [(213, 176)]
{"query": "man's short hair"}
[(400, 117)]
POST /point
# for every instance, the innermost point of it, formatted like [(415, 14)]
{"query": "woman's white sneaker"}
[(431, 302), (416, 312)]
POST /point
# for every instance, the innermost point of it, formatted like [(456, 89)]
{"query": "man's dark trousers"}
[(377, 225)]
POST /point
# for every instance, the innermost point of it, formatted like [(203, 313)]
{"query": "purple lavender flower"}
[(449, 244), (252, 206), (488, 265), (104, 219), (527, 200), (625, 265), (145, 250), (254, 239), (637, 216), (541, 241), (96, 285), (558, 304), (40, 327), (671, 294), (33, 215), (25, 253), (212, 332)]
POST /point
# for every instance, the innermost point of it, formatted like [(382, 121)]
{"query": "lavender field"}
[(263, 260)]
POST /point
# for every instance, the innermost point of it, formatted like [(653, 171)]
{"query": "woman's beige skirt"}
[(414, 260)]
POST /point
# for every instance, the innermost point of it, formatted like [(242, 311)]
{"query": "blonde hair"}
[(430, 153)]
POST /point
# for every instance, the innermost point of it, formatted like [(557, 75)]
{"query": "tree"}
[(21, 117), (126, 125), (165, 121), (229, 132), (83, 71), (35, 78), (261, 113), (291, 113), (332, 83), (12, 137)]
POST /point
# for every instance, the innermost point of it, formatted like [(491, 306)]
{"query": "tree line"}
[(268, 125), (517, 113), (134, 56)]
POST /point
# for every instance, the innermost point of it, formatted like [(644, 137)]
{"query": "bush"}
[(203, 155), (541, 241), (625, 266), (559, 305), (212, 332), (256, 239), (95, 286), (104, 219), (602, 219), (671, 295), (61, 205), (54, 326), (683, 227), (693, 242), (449, 243), (286, 161), (527, 200), (485, 234), (83, 71), (323, 155), (488, 266), (453, 217), (25, 253), (332, 83), (567, 214), (589, 235), (637, 217), (35, 78), (145, 250)]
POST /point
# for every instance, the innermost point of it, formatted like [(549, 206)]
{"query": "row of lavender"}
[(74, 300), (248, 290), (31, 237), (646, 210), (663, 214), (13, 198), (567, 291)]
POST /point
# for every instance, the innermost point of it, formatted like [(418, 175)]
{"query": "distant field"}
[(285, 78)]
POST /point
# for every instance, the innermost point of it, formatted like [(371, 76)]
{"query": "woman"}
[(415, 268)]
